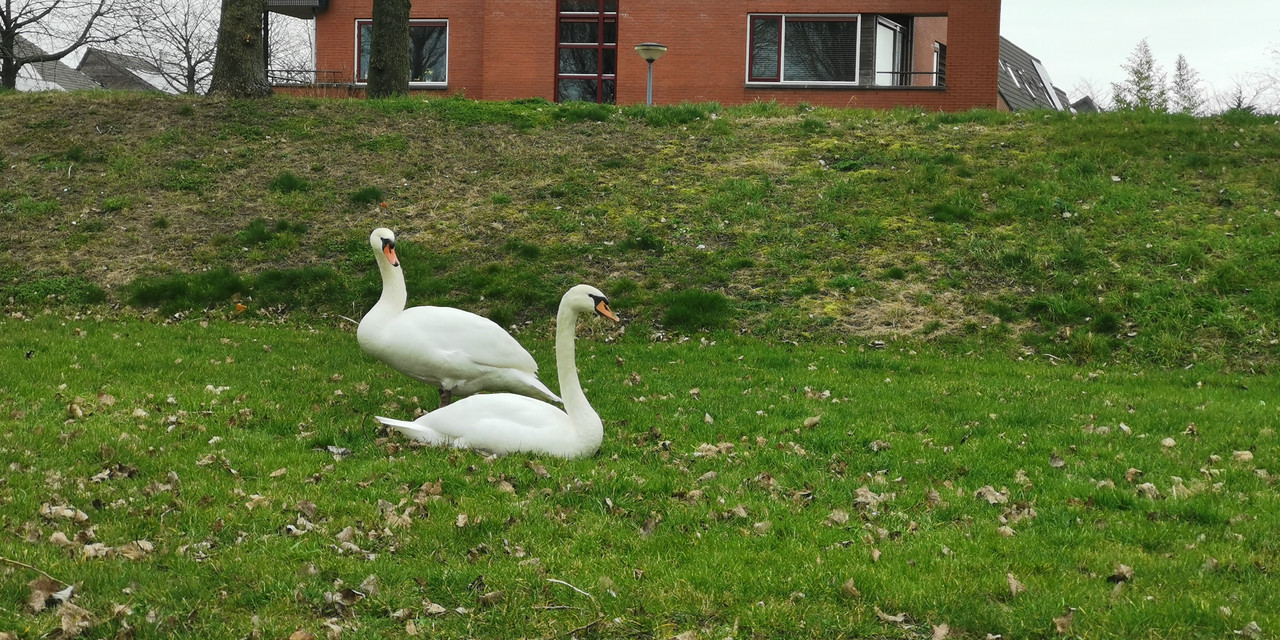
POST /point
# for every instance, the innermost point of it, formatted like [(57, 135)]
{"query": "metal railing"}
[(305, 77)]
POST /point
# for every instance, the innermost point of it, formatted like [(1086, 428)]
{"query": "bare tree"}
[(1144, 88), (291, 49), (60, 25), (1247, 94), (239, 70), (179, 38), (1186, 96), (1088, 88)]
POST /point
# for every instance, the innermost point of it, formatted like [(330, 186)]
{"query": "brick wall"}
[(505, 49)]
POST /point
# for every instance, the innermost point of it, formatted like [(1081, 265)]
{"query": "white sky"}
[(1090, 39)]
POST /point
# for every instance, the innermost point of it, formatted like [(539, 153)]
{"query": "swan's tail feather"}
[(415, 431)]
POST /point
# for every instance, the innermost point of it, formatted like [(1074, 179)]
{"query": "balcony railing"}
[(306, 77)]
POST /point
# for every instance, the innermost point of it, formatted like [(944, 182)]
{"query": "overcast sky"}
[(1091, 39)]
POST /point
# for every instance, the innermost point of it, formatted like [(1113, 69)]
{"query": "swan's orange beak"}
[(603, 309), (390, 251)]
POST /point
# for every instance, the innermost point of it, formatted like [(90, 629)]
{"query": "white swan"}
[(504, 423), (460, 352)]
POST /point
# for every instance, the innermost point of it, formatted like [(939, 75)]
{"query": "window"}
[(890, 40), (428, 51), (587, 51), (939, 64), (785, 48)]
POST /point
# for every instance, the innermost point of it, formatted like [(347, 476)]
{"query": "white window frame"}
[(898, 55), (782, 49), (448, 48)]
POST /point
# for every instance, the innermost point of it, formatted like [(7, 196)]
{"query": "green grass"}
[(1163, 225), (741, 484)]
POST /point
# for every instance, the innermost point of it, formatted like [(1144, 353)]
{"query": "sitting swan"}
[(460, 352), (504, 423)]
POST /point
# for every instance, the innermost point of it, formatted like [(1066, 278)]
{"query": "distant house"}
[(1024, 82), (47, 76), (122, 72), (931, 54)]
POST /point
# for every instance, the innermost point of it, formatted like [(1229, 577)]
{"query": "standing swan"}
[(504, 423), (458, 351)]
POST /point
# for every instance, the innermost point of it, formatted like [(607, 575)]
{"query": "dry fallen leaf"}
[(491, 598), (1122, 573), (279, 472), (1243, 456), (1015, 586), (838, 517), (812, 421), (74, 620), (461, 520), (1251, 631), (989, 493), (941, 631), (1148, 490), (1168, 443), (433, 609), (850, 589), (1132, 474), (46, 592), (884, 617), (762, 528), (1056, 462), (302, 635), (1063, 623)]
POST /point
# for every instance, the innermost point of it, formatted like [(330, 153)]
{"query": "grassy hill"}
[(1099, 238)]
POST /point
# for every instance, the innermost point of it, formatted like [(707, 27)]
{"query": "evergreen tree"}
[(389, 49), (1144, 88), (1187, 96)]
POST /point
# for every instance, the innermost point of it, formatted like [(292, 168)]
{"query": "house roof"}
[(123, 72), (47, 76), (1024, 82), (305, 9)]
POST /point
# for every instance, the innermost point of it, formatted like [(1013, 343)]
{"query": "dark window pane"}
[(609, 62), (821, 51), (579, 6), (366, 36), (580, 32), (764, 48), (610, 6), (427, 53), (610, 32), (581, 90), (608, 91), (579, 61)]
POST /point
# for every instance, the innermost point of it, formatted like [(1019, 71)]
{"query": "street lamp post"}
[(650, 51)]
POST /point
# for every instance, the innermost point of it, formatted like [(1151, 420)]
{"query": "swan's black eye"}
[(388, 242)]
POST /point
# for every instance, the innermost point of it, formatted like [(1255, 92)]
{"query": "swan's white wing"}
[(506, 423), (465, 335)]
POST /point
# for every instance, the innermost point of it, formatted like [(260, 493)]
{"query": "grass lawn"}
[(223, 478)]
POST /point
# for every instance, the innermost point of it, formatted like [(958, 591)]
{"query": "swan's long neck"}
[(585, 420), (394, 295)]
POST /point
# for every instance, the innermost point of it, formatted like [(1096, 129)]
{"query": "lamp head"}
[(651, 51)]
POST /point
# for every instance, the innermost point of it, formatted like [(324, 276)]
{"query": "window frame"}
[(413, 22), (606, 13), (898, 74), (781, 80)]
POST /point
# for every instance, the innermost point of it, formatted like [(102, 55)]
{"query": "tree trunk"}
[(389, 49), (239, 70), (8, 66)]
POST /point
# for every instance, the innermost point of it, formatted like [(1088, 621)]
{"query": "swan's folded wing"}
[(503, 423), (480, 339)]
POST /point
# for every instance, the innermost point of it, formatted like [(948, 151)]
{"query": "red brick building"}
[(934, 54)]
